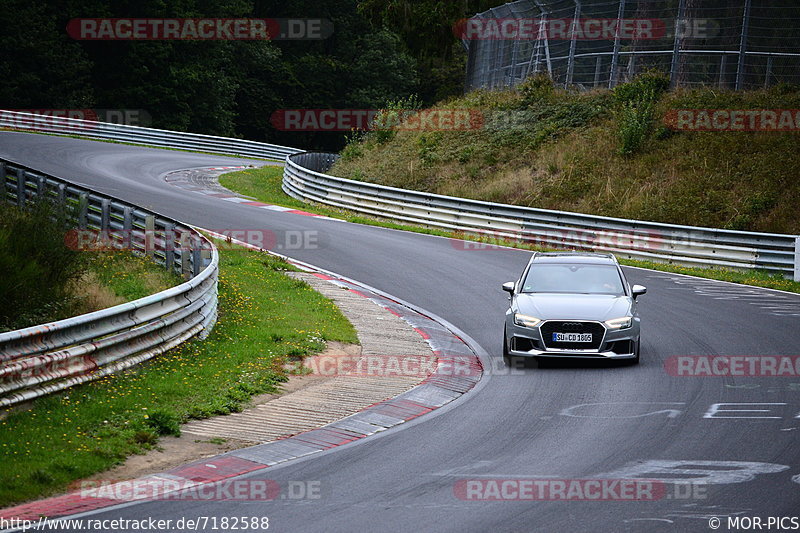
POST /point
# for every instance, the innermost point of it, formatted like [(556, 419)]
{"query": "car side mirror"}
[(508, 286), (638, 290)]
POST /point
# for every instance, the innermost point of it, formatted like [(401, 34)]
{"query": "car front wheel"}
[(635, 360)]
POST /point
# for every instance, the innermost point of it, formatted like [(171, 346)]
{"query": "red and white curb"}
[(182, 179)]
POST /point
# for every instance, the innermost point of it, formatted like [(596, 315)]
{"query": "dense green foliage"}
[(378, 52), (637, 100), (36, 267), (42, 279)]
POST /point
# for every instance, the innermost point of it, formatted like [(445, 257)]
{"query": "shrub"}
[(634, 126), (536, 89), (646, 87), (392, 115), (636, 100), (164, 423), (352, 149), (36, 266)]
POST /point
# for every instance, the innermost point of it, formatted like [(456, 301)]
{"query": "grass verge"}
[(265, 319), (264, 184), (114, 277), (614, 153)]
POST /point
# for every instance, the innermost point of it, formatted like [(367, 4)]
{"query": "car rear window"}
[(573, 278)]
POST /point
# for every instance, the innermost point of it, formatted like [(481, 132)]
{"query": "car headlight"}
[(526, 320), (620, 323)]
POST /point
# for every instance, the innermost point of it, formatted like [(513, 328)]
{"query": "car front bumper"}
[(616, 344)]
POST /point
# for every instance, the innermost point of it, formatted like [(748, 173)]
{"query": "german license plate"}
[(572, 337)]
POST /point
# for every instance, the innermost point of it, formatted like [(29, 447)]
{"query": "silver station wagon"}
[(572, 305)]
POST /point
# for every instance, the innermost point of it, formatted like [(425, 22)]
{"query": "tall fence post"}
[(768, 73), (572, 44), (597, 66), (631, 66), (676, 47), (743, 45), (615, 55), (722, 64)]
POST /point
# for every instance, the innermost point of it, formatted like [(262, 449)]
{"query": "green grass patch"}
[(264, 184), (265, 320), (43, 280), (114, 277)]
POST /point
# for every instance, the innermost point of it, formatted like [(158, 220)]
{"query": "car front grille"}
[(572, 326)]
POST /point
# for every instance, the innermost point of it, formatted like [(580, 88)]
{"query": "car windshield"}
[(573, 278)]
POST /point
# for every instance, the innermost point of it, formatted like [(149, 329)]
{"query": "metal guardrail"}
[(46, 358), (304, 179), (138, 135)]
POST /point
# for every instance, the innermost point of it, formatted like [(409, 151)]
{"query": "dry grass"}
[(568, 157)]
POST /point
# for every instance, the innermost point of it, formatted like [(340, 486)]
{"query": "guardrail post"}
[(127, 228), (21, 196), (39, 186), (150, 236), (105, 214), (197, 259), (169, 246), (83, 209), (186, 258), (797, 258)]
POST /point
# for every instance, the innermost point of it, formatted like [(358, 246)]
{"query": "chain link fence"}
[(732, 44)]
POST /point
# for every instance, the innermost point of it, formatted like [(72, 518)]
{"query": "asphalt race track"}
[(568, 421)]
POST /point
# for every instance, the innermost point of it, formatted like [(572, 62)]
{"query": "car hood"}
[(573, 306)]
